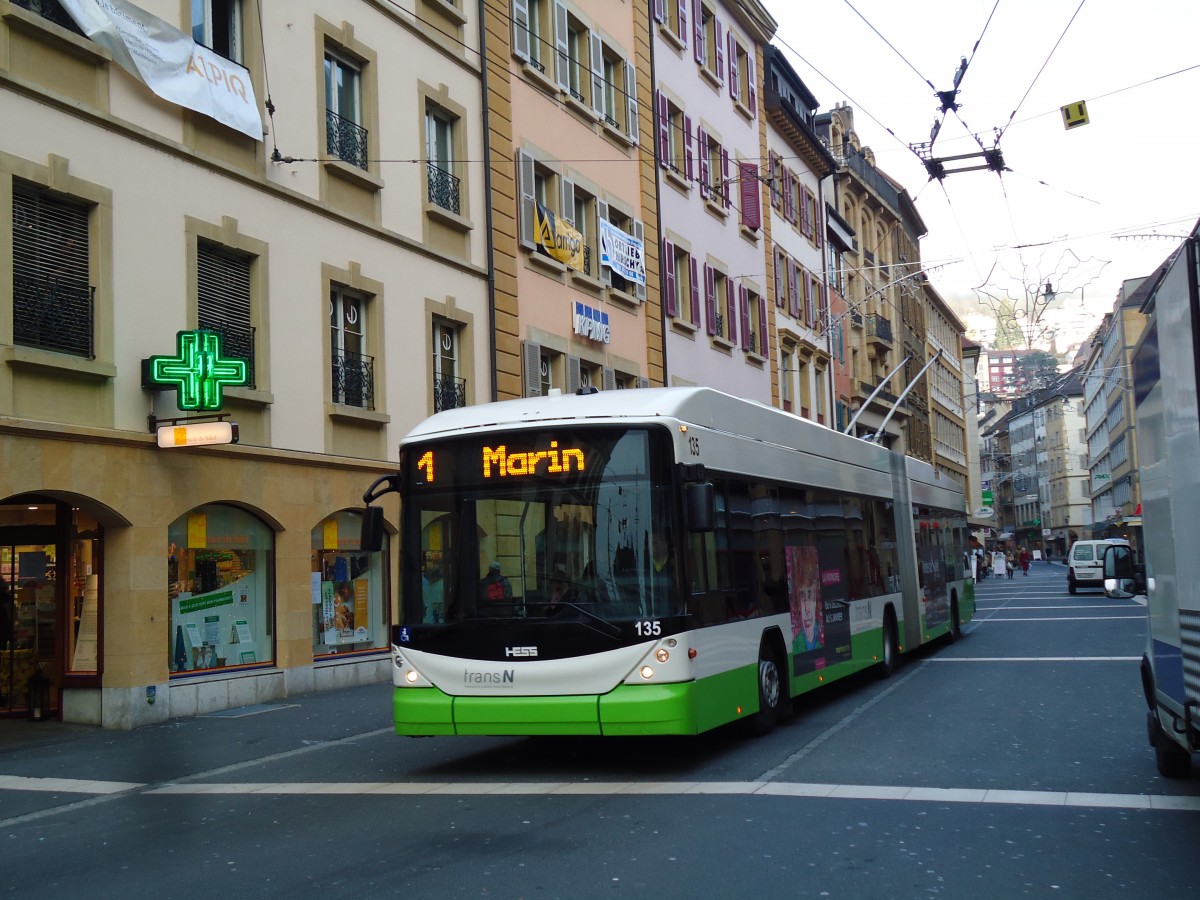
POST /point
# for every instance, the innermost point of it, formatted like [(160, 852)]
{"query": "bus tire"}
[(891, 647), (771, 692), (1171, 760)]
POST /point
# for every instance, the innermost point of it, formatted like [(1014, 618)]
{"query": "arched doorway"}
[(51, 567)]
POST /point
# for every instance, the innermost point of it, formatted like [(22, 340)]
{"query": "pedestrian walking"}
[(1026, 557), (1010, 564)]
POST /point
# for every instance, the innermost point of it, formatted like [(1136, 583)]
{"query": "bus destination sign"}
[(499, 461)]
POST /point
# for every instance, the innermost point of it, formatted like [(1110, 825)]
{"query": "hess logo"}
[(520, 651)]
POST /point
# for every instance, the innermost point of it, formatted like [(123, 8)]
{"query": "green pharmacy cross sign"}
[(198, 371)]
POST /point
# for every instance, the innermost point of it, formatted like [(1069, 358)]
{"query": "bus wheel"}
[(770, 693), (891, 653), (955, 626), (1171, 760)]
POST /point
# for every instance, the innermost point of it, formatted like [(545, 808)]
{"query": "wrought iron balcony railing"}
[(51, 10), (587, 260), (856, 318), (719, 325), (54, 315), (443, 189), (353, 379), (449, 392), (236, 341), (879, 327), (752, 342), (345, 140)]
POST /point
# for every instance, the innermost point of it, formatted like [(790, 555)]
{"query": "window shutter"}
[(805, 211), (731, 314), (780, 279), (751, 195), (822, 304), (681, 8), (801, 294), (525, 179), (773, 163), (639, 235), (664, 131), (725, 177), (794, 288), (532, 355), (751, 80), (710, 298), (687, 148), (744, 307), (787, 195), (698, 31), (734, 87), (694, 289), (599, 94), (720, 73), (223, 302), (814, 300), (603, 272), (643, 381), (668, 289), (702, 152), (631, 104), (574, 375), (660, 10), (520, 14), (764, 339), (566, 203), (608, 378), (562, 65)]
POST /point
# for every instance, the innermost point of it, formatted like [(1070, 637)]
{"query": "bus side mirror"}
[(701, 506), (1119, 580), (371, 538)]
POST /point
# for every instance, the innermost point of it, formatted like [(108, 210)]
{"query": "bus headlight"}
[(662, 654), (411, 676), (647, 672)]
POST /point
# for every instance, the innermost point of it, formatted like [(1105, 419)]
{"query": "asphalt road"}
[(1013, 763)]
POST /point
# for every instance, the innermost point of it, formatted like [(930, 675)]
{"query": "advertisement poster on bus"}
[(933, 577), (820, 615)]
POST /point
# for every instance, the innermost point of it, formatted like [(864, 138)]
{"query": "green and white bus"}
[(655, 561)]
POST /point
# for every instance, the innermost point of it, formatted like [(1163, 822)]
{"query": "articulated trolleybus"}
[(655, 561)]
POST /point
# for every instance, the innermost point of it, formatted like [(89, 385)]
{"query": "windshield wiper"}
[(612, 630)]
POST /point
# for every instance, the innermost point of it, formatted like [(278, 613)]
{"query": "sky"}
[(1084, 208)]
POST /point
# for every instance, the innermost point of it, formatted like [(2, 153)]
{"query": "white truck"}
[(1166, 371)]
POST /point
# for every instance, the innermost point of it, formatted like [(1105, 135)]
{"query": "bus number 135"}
[(648, 629)]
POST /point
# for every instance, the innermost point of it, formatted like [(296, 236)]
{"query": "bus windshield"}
[(556, 524)]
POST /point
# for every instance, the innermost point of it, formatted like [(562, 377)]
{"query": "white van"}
[(1085, 563)]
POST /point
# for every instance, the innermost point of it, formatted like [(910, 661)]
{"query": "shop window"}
[(350, 609), (220, 589)]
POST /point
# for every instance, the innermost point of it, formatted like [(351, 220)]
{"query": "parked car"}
[(1085, 563)]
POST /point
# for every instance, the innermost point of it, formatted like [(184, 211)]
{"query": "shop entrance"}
[(49, 600), (31, 604)]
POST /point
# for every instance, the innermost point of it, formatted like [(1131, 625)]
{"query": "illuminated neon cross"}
[(198, 372)]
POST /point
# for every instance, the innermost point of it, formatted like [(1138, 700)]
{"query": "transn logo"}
[(520, 651)]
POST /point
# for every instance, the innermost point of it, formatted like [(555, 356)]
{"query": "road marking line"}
[(64, 785), (958, 659), (1065, 619), (919, 794)]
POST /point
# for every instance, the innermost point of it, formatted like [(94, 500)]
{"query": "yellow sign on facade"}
[(197, 531), (1074, 115), (557, 238)]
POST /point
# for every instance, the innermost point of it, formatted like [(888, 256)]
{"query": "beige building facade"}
[(342, 258)]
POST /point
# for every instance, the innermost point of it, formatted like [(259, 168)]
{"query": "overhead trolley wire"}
[(1042, 69)]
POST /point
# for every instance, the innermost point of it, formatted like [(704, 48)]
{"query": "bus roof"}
[(700, 406)]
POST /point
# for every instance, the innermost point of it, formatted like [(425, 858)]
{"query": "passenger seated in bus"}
[(494, 587)]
